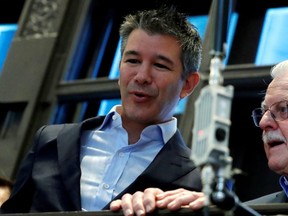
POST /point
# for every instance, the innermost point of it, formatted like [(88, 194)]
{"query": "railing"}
[(267, 209)]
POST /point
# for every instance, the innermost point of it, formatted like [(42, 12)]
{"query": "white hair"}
[(279, 69)]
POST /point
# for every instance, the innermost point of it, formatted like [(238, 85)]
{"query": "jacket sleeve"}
[(22, 193)]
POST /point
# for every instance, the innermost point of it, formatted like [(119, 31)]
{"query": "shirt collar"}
[(284, 184), (112, 115), (167, 129)]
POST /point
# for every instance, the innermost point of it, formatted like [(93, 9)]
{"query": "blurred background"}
[(59, 64)]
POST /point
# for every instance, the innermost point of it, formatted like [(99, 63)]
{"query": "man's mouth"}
[(140, 95), (275, 143)]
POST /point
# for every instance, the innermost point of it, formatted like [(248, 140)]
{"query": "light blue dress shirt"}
[(109, 164)]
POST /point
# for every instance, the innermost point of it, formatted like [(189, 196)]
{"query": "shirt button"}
[(114, 117), (106, 186), (121, 154)]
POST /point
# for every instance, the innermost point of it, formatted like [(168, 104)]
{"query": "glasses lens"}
[(280, 111), (257, 115)]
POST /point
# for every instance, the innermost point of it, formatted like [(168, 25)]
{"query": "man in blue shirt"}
[(74, 167)]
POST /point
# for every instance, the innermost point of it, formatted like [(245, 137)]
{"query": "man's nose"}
[(267, 121), (144, 74)]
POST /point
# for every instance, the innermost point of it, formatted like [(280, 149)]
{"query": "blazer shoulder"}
[(48, 133)]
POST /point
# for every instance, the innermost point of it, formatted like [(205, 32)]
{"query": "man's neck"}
[(133, 128)]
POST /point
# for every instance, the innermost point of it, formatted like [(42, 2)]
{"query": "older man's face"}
[(275, 133)]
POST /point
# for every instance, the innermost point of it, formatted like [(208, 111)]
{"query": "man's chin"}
[(277, 167)]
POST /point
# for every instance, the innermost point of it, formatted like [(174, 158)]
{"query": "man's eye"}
[(283, 109), (161, 66), (132, 61)]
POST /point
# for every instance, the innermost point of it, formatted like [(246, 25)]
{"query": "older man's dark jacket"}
[(277, 197)]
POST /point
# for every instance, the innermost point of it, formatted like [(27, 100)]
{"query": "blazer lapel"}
[(174, 155), (69, 156), (171, 163)]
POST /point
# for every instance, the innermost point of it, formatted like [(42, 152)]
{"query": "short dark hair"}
[(167, 21)]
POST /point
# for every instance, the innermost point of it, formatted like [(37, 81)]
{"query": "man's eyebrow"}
[(164, 58), (161, 57), (131, 52)]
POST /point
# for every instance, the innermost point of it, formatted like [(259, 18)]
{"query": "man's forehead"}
[(279, 82), (276, 91)]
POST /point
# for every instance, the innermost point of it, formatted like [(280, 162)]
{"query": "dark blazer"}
[(277, 197), (49, 176)]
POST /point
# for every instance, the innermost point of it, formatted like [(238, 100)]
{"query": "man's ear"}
[(189, 84)]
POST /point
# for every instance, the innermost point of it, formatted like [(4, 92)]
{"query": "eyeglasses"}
[(278, 111)]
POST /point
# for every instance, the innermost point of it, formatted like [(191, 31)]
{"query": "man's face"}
[(275, 133), (150, 78)]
